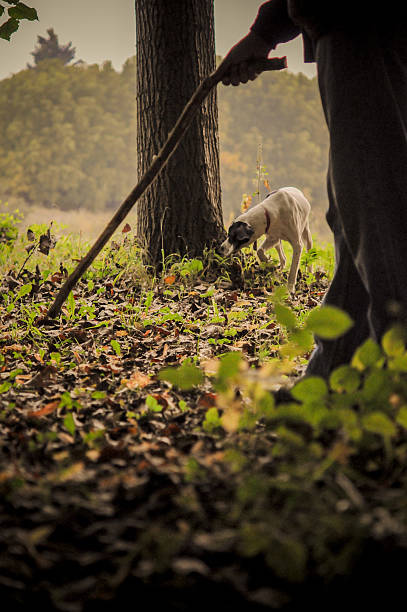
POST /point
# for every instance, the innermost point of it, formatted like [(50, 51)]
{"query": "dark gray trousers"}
[(363, 86)]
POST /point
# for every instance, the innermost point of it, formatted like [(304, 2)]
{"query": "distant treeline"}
[(68, 137)]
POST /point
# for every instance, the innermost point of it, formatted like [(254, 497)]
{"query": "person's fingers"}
[(235, 75), (252, 72), (243, 73), (240, 73)]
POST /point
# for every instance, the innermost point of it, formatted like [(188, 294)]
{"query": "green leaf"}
[(393, 342), (328, 322), (116, 347), (399, 363), (367, 355), (66, 400), (212, 420), (285, 316), (153, 404), (22, 11), (5, 386), (377, 386), (303, 338), (8, 28), (24, 290), (98, 395), (344, 379), (185, 377), (379, 423), (310, 389), (69, 423), (402, 417), (349, 421), (228, 368)]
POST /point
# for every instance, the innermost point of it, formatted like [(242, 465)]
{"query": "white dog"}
[(283, 215)]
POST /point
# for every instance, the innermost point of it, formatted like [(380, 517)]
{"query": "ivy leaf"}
[(22, 11), (367, 355), (310, 389), (8, 28), (393, 342), (328, 322), (379, 423), (402, 417), (344, 379)]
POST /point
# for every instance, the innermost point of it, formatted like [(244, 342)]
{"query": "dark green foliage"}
[(49, 48)]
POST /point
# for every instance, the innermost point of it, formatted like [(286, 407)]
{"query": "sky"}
[(104, 30)]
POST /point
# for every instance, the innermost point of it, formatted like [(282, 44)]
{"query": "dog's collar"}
[(266, 212)]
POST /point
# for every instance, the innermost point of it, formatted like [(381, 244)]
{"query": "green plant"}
[(9, 226)]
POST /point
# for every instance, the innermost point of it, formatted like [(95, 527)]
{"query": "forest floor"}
[(124, 481)]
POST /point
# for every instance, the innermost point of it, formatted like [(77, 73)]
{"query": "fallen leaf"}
[(121, 333), (47, 409), (207, 400), (169, 280), (73, 472), (137, 380), (13, 347)]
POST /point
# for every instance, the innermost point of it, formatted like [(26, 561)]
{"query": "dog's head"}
[(239, 235)]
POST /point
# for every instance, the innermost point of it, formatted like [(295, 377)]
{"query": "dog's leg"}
[(295, 264), (281, 254), (269, 243)]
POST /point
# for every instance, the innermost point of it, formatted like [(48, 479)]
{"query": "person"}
[(361, 54)]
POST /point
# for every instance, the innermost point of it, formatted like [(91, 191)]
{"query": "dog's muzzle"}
[(226, 248)]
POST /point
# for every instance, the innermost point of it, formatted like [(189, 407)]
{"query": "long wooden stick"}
[(156, 166)]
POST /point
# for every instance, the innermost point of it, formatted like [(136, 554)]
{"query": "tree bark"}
[(181, 212)]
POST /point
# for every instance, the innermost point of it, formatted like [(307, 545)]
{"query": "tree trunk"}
[(175, 49)]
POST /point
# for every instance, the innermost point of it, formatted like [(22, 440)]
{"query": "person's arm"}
[(271, 27), (273, 23)]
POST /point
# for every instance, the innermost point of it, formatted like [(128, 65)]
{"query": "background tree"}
[(181, 212), (49, 48), (70, 141)]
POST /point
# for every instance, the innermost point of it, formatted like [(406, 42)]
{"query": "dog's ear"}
[(240, 233)]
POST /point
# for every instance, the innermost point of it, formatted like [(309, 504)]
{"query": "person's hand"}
[(239, 63)]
